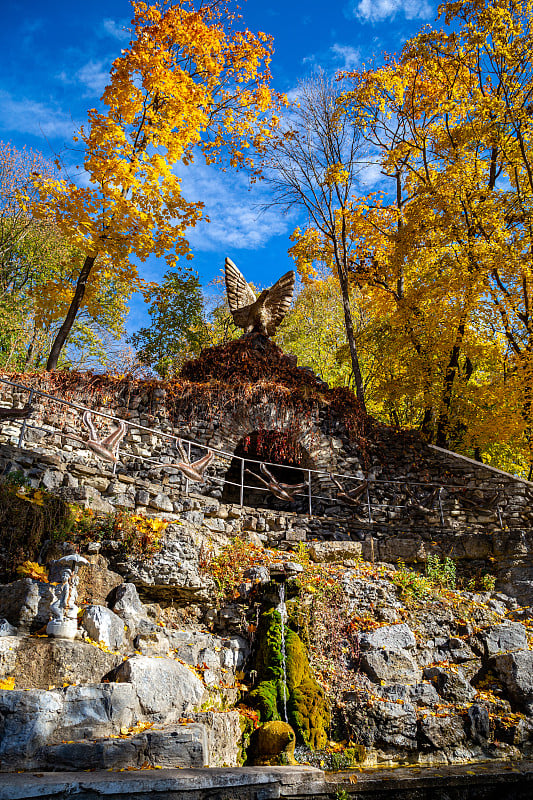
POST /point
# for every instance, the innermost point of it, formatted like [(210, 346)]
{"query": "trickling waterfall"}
[(282, 608)]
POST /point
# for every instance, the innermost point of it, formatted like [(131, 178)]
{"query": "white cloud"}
[(348, 56), (233, 208), (379, 10), (118, 30), (371, 176), (94, 76), (28, 116)]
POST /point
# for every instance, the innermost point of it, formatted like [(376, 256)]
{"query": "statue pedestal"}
[(62, 629)]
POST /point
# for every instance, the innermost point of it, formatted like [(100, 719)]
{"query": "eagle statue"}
[(260, 314)]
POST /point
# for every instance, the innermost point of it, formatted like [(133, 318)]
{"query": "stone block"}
[(163, 686), (142, 497), (503, 638), (515, 671), (26, 603), (450, 684), (223, 736), (42, 662), (104, 626), (321, 552), (32, 720), (161, 503), (440, 733), (296, 535)]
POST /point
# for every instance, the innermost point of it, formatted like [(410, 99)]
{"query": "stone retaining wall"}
[(504, 553), (406, 522)]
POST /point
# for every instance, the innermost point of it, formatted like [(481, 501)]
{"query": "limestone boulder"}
[(26, 603), (154, 643), (441, 733), (28, 721), (389, 637), (386, 656), (40, 662), (32, 720), (503, 638), (96, 710), (173, 573), (451, 684), (126, 603), (102, 625), (515, 671), (165, 687), (381, 724), (6, 629)]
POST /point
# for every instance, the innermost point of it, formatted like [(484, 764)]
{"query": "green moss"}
[(306, 703), (247, 729), (348, 758), (272, 745)]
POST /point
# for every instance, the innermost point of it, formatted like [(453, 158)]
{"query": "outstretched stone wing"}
[(238, 290), (279, 299)]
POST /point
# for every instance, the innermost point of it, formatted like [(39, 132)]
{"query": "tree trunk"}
[(66, 327), (30, 353), (348, 322), (443, 423)]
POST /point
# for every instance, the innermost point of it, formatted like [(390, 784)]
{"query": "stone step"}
[(177, 746), (248, 783)]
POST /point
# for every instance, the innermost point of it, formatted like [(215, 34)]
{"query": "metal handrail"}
[(243, 459)]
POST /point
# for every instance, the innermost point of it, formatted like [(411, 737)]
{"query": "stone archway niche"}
[(281, 447)]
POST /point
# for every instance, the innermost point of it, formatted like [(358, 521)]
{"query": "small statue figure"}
[(195, 470), (264, 313), (64, 622), (61, 596), (106, 448), (283, 491), (352, 496), (16, 413)]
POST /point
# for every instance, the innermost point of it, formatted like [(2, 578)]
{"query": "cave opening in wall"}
[(291, 461)]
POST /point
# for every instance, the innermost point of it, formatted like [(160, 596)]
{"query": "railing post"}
[(440, 507), (23, 428), (189, 460), (309, 492), (242, 482), (368, 502)]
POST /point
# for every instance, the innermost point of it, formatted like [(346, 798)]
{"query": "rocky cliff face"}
[(400, 666)]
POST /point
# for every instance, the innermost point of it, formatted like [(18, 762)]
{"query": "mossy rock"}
[(309, 713), (307, 708), (348, 758), (272, 745)]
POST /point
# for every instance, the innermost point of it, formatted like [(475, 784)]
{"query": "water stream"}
[(282, 608)]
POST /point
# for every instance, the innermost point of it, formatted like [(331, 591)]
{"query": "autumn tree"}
[(37, 272), (449, 127), (177, 327), (189, 82), (312, 166)]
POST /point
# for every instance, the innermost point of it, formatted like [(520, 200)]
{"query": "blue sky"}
[(56, 57)]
